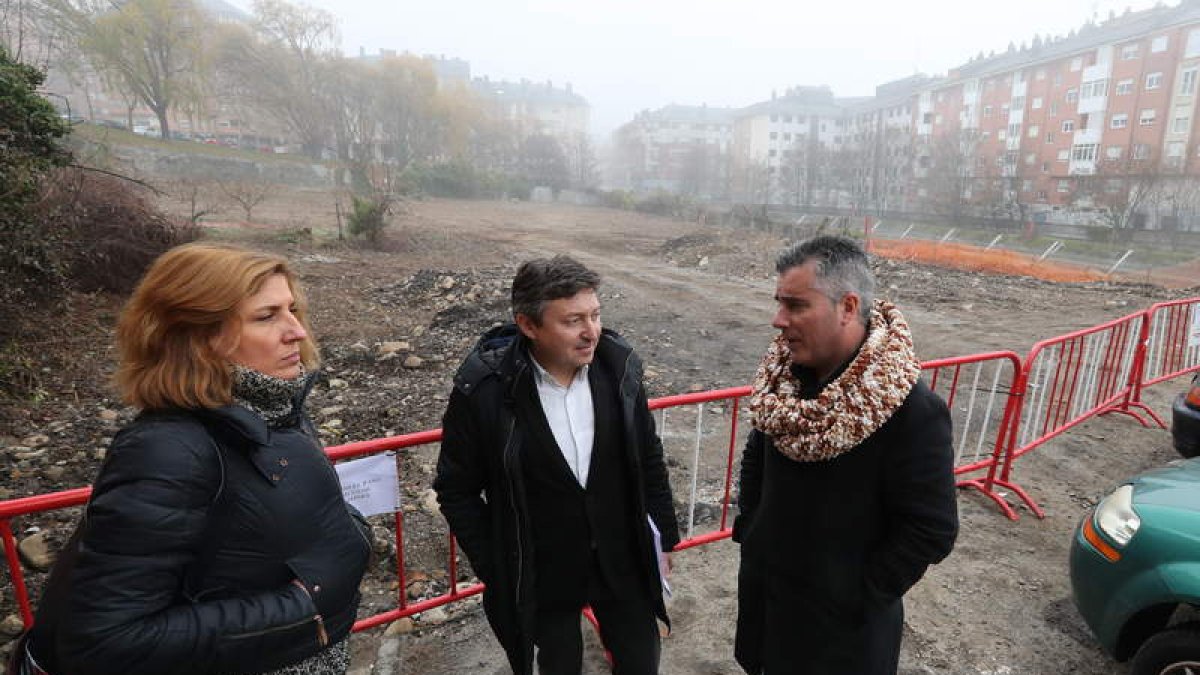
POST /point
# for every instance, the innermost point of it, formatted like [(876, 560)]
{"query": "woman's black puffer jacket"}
[(198, 524)]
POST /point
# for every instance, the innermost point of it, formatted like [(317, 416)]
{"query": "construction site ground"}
[(696, 302)]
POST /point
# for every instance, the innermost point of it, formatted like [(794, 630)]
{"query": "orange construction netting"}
[(979, 259)]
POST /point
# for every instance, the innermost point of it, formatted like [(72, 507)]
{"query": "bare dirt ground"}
[(696, 302)]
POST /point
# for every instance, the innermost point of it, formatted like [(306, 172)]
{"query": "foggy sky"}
[(627, 55)]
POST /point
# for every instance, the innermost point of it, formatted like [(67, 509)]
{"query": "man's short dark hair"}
[(544, 279), (842, 267)]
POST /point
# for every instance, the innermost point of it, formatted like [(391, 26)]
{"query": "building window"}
[(1113, 152), (1004, 110), (1040, 74), (1158, 44), (1030, 158), (1034, 131), (1119, 121), (1094, 88), (987, 111), (1181, 124), (1037, 103), (1124, 87), (1193, 44), (1049, 136), (1045, 167), (771, 153), (1187, 82), (1084, 153), (1001, 135), (1068, 126), (1041, 194), (1014, 131), (1064, 155), (1026, 185), (787, 137), (1153, 81), (774, 118), (774, 135), (787, 120), (927, 118), (1146, 118), (1129, 52), (1072, 95), (1018, 103), (1054, 109), (1076, 64), (1175, 149), (1064, 186), (1141, 151)]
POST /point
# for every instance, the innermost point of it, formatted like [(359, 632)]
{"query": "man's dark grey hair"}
[(842, 267), (544, 279)]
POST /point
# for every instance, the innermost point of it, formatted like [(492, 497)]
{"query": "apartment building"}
[(1074, 128), (532, 108), (879, 141), (783, 149), (677, 148)]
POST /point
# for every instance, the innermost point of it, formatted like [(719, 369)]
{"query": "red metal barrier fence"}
[(979, 390), (1071, 378), (993, 397), (1172, 344)]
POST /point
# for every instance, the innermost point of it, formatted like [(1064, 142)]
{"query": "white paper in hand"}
[(662, 557)]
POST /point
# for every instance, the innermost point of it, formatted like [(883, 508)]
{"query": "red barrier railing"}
[(1071, 378), (979, 390), (27, 506), (1062, 382), (1172, 343)]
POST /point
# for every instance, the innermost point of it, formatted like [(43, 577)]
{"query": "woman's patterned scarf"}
[(271, 398), (850, 408)]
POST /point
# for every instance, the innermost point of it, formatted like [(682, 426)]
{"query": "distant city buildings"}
[(683, 149), (1097, 126)]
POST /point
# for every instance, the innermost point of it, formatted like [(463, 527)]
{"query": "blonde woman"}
[(217, 539)]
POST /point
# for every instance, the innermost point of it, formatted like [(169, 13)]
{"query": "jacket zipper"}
[(322, 636), (512, 500)]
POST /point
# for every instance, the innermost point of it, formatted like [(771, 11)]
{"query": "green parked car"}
[(1135, 560)]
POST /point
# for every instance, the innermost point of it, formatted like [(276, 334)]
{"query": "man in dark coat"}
[(549, 467), (847, 485)]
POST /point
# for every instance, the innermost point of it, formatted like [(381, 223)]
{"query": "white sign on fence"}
[(371, 484), (1194, 333)]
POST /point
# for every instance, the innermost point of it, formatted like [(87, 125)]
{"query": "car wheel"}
[(1175, 651)]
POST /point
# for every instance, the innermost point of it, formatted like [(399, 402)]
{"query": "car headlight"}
[(1116, 518)]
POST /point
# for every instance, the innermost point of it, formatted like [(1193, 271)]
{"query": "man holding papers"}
[(552, 477)]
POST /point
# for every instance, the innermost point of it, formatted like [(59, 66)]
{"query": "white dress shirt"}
[(572, 420)]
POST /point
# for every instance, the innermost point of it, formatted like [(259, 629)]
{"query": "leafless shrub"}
[(247, 194)]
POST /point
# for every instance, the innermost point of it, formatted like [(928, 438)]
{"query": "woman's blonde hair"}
[(170, 332)]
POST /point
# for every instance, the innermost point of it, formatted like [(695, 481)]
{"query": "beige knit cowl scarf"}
[(851, 407)]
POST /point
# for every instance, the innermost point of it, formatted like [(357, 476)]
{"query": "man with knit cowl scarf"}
[(847, 485)]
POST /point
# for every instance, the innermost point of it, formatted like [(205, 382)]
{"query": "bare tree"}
[(1124, 187), (282, 66), (199, 197), (151, 49), (948, 170), (246, 193)]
